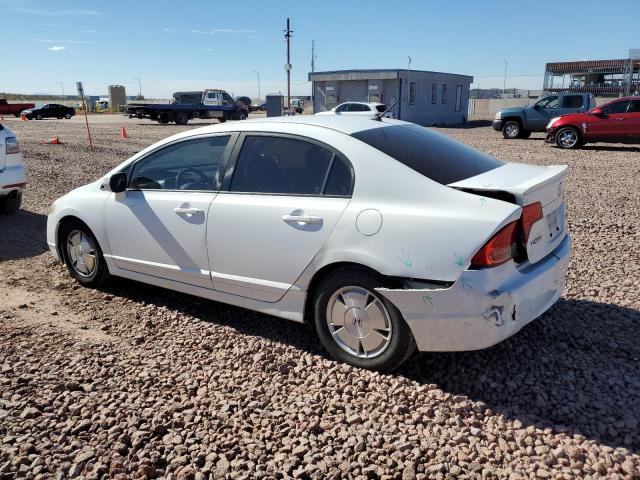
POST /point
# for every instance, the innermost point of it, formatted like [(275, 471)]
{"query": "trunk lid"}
[(523, 185)]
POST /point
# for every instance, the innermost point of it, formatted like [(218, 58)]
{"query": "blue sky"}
[(194, 44)]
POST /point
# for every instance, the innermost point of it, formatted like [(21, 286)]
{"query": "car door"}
[(158, 226), (610, 125), (632, 127), (280, 200), (544, 110)]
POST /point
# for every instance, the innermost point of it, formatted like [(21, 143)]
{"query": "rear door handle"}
[(301, 219), (188, 211), (620, 119)]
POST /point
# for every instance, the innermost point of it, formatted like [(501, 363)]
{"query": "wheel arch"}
[(512, 118), (65, 220)]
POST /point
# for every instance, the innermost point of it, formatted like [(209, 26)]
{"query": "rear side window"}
[(381, 108), (358, 107), (287, 166), (429, 153), (573, 101), (618, 107)]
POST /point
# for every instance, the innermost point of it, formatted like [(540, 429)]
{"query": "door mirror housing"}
[(597, 112), (118, 182)]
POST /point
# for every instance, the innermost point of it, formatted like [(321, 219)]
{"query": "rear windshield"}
[(431, 154), (381, 108)]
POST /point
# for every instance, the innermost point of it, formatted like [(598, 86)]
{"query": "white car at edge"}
[(368, 109), (13, 178), (386, 235)]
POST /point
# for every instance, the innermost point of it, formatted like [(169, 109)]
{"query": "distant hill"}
[(35, 96)]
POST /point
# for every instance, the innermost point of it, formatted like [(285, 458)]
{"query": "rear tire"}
[(163, 118), (11, 203), (222, 119), (68, 116), (511, 129), (182, 118), (38, 117), (568, 137), (82, 254), (358, 326)]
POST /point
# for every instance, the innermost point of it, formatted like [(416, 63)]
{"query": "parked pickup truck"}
[(519, 122), (7, 108), (207, 104)]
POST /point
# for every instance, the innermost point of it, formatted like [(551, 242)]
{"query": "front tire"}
[(181, 118), (82, 254), (358, 326), (511, 129), (68, 116), (38, 117), (11, 203), (568, 137)]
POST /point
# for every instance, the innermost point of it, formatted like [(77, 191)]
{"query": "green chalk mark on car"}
[(428, 300), (482, 200), (458, 260), (466, 282), (404, 258)]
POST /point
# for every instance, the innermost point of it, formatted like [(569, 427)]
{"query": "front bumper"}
[(483, 307), (497, 125)]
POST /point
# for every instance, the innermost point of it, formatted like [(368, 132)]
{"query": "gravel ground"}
[(133, 381)]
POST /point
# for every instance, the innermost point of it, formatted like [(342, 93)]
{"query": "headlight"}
[(498, 115), (12, 145), (552, 121)]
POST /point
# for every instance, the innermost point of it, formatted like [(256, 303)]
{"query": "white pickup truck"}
[(13, 178)]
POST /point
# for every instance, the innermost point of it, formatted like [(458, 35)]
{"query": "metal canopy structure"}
[(610, 78)]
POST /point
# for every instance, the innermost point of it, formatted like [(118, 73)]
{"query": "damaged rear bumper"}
[(484, 306)]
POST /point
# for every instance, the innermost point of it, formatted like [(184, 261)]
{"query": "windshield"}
[(431, 154)]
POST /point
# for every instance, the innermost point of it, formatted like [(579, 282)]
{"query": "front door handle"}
[(188, 211), (620, 119), (302, 219)]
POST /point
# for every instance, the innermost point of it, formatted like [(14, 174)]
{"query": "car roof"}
[(348, 124)]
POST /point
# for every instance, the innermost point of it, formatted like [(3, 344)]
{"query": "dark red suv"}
[(617, 121)]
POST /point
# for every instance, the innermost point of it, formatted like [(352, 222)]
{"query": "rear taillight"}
[(530, 215), (502, 247)]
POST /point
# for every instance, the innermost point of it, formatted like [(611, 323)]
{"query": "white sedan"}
[(13, 178), (357, 108), (385, 235)]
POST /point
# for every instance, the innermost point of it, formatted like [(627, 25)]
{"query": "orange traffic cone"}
[(23, 117), (54, 141), (123, 133)]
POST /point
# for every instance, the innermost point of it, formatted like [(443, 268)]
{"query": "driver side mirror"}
[(118, 182), (597, 112), (536, 107)]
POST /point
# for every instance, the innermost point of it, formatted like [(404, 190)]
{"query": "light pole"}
[(61, 86), (258, 74), (504, 83), (139, 88)]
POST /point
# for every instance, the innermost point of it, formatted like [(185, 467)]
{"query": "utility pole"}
[(504, 83), (313, 55), (62, 86), (287, 67), (139, 87), (258, 74)]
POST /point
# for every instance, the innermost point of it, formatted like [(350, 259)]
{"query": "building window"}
[(444, 93), (412, 93), (458, 98), (434, 92)]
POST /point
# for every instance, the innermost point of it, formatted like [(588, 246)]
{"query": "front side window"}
[(548, 103), (634, 107), (412, 93), (342, 108), (573, 101), (617, 107), (188, 165), (431, 154), (434, 92), (212, 95), (287, 166), (444, 93)]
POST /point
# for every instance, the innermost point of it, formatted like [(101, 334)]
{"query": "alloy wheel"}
[(359, 322), (567, 138), (81, 253)]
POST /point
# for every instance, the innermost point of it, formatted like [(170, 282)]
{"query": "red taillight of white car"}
[(530, 214), (502, 247)]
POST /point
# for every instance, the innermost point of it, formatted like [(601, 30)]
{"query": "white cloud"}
[(48, 40), (56, 49), (170, 29), (208, 49)]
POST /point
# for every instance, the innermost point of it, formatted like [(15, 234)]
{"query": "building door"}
[(458, 98)]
